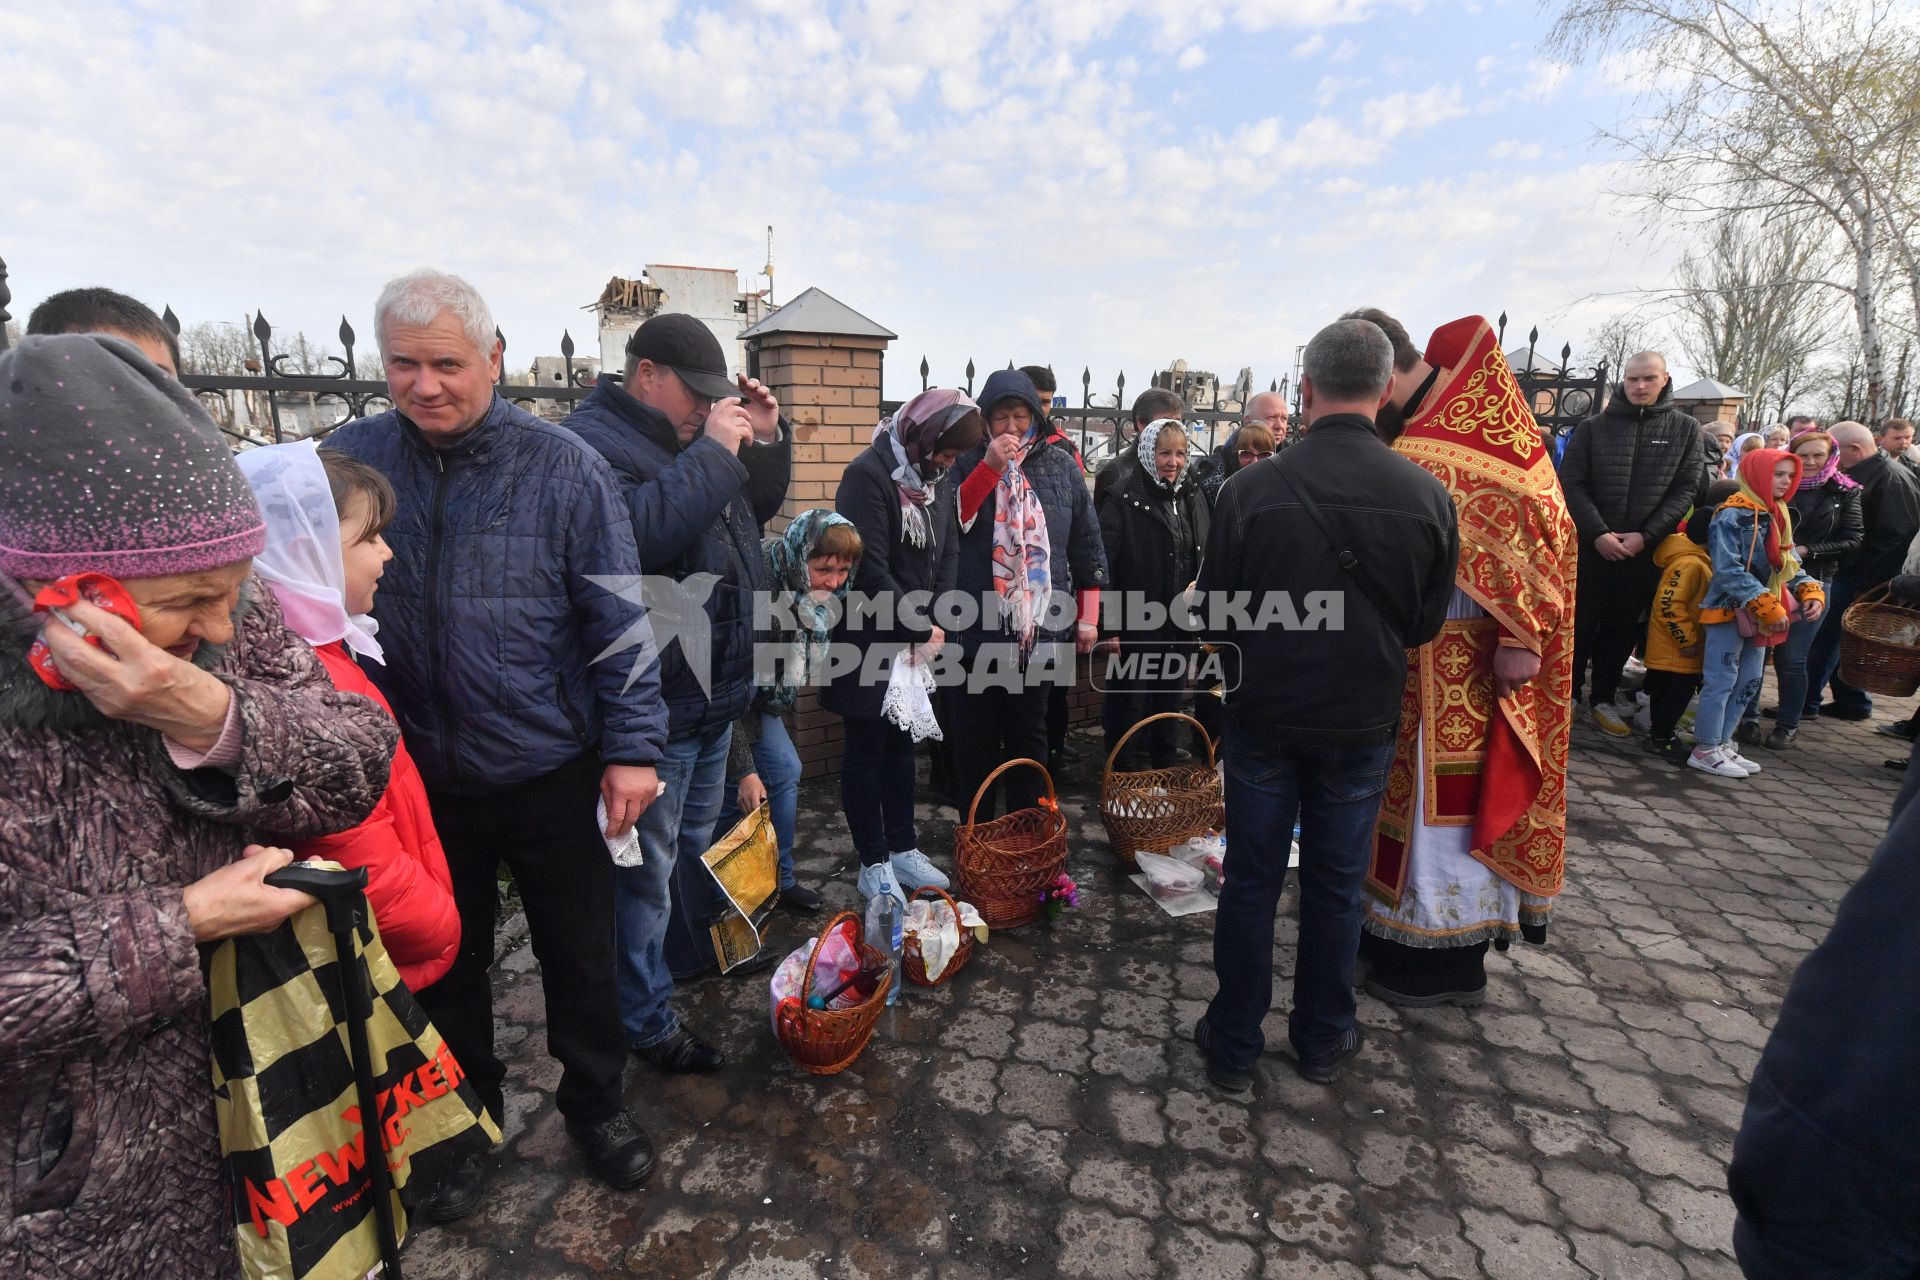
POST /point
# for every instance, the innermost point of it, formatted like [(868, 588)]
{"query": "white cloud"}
[(972, 175), (1508, 149)]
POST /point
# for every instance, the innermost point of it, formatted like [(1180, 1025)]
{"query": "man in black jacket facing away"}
[(1317, 644), (1629, 474)]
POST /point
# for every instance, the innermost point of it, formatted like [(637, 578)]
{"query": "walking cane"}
[(343, 895)]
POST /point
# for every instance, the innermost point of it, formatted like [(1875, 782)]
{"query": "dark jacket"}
[(1826, 521), (1211, 471), (1154, 541), (1633, 469), (890, 567), (696, 509), (106, 1103), (1328, 683), (1073, 531), (488, 612), (1124, 459), (1889, 517), (1826, 1166)]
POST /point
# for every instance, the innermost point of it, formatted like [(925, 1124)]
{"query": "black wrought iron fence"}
[(273, 386)]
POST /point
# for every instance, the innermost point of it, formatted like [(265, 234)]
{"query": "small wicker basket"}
[(825, 1042), (915, 964), (1156, 809), (1007, 864), (1876, 654)]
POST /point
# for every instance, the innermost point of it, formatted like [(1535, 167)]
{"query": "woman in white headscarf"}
[(1153, 522), (325, 513)]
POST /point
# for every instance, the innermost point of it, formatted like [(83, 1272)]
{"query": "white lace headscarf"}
[(302, 561)]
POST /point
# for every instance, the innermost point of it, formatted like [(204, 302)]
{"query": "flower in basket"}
[(1060, 895)]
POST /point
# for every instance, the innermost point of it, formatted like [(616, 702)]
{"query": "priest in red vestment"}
[(1471, 845)]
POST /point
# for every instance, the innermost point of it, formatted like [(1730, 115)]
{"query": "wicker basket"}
[(1190, 802), (825, 1042), (915, 964), (1870, 658), (1007, 864)]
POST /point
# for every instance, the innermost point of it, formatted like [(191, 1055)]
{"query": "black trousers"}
[(876, 789), (985, 729), (1127, 705), (1057, 718), (1609, 618), (543, 830), (1668, 693)]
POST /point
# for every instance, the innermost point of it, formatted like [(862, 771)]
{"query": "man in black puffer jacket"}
[(680, 436), (1629, 475)]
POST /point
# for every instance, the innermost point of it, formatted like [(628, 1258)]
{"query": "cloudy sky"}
[(1103, 183)]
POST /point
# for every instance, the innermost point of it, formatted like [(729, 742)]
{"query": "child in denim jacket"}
[(1756, 589)]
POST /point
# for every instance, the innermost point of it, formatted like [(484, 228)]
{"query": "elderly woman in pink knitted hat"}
[(138, 769)]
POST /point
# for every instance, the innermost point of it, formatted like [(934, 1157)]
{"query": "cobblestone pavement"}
[(1045, 1114)]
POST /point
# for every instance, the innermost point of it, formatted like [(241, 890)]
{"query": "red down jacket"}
[(407, 879)]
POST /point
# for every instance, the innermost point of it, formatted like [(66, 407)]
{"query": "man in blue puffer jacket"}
[(680, 436), (490, 617)]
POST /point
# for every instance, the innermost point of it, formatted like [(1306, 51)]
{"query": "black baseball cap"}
[(686, 346)]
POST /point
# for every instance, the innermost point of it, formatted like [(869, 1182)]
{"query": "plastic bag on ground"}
[(1169, 877)]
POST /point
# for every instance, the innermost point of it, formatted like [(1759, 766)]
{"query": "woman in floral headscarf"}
[(1153, 522), (904, 516), (809, 565), (1029, 541)]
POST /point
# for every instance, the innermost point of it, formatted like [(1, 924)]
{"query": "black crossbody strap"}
[(1349, 562)]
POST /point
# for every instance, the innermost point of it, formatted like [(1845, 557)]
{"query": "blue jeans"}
[(1729, 679), (1334, 793), (1823, 658), (1790, 671), (778, 764), (672, 831)]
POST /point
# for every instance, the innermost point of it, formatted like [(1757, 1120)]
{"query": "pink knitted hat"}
[(109, 466)]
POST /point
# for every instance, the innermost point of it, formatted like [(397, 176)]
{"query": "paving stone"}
[(1099, 1245), (1604, 1202), (1613, 1259), (1512, 1250), (1127, 1186), (1046, 1113), (1701, 1217)]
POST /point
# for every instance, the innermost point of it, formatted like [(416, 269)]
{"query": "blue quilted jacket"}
[(487, 615)]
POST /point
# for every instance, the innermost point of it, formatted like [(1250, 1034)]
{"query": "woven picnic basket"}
[(1878, 652), (1007, 864), (1156, 809), (915, 964), (825, 1042)]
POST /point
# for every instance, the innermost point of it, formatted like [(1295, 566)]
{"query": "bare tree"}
[(1776, 109), (1750, 316), (215, 349), (1612, 341)]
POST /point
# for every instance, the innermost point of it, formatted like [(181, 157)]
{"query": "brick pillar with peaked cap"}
[(823, 360)]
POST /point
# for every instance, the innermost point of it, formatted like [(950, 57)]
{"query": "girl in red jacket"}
[(325, 512)]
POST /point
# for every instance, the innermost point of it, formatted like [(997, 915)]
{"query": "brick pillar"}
[(829, 387)]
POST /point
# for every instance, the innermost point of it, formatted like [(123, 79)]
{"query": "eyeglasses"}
[(1249, 455)]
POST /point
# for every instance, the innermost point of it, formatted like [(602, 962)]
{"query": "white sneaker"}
[(1714, 760), (878, 879), (1607, 718), (1741, 760), (915, 871)]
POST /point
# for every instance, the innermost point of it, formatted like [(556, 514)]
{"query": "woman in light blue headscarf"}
[(809, 566), (1730, 468)]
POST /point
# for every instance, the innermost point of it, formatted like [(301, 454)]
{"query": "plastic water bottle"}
[(886, 933)]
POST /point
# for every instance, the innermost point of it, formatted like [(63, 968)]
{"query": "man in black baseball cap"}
[(685, 347), (703, 461)]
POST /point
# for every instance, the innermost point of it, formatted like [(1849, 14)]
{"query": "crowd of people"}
[(404, 648)]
